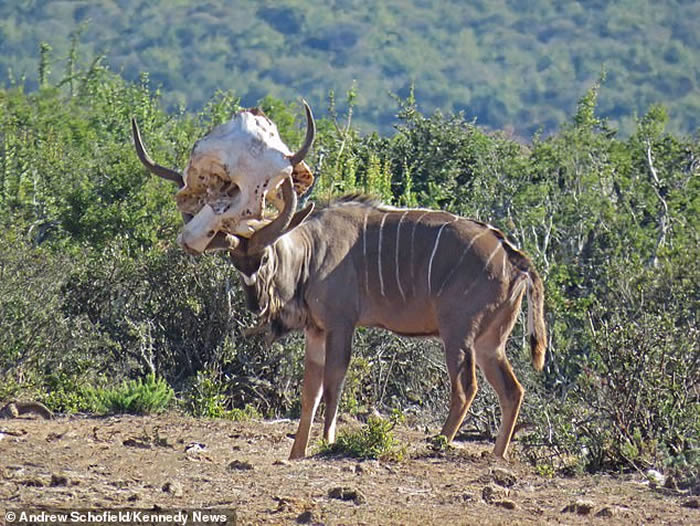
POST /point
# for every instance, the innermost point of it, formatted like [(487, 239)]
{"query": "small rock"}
[(133, 442), (581, 507), (293, 505), (466, 497), (655, 477), (195, 447), (692, 502), (58, 480), (32, 483), (359, 468), (286, 503), (503, 477), (280, 463), (492, 493), (306, 517), (505, 503), (133, 497), (240, 465), (606, 512), (174, 488), (346, 493), (671, 483)]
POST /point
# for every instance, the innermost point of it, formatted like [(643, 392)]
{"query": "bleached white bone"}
[(230, 173), (199, 232), (232, 169)]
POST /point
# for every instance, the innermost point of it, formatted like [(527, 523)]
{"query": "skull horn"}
[(308, 141), (156, 169)]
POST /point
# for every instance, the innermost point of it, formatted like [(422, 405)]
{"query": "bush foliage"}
[(374, 440), (94, 293), (140, 397)]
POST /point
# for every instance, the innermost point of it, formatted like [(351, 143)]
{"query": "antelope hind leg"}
[(499, 374)]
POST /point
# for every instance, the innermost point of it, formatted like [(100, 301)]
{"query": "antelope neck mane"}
[(358, 199)]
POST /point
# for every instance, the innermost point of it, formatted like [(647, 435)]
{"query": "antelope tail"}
[(535, 319)]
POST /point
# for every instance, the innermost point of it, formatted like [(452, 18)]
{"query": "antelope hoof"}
[(297, 455), (500, 456)]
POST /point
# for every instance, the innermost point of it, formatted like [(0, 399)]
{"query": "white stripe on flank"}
[(461, 258), (379, 257), (505, 262), (530, 310), (412, 259), (364, 251), (396, 262), (493, 254), (432, 255), (485, 265)]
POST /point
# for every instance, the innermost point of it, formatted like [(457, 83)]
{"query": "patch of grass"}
[(374, 440), (439, 443), (207, 398), (249, 412), (152, 395), (545, 471)]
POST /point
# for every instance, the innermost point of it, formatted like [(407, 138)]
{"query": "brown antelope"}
[(412, 271)]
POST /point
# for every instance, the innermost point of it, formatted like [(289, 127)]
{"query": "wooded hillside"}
[(520, 65)]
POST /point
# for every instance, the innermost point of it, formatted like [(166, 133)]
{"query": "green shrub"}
[(141, 397), (374, 440), (634, 400), (207, 397), (66, 393)]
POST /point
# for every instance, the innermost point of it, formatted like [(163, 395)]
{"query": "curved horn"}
[(268, 234), (308, 141), (156, 169), (223, 241)]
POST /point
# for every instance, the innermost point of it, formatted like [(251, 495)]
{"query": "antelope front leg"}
[(314, 360), (462, 371), (338, 349)]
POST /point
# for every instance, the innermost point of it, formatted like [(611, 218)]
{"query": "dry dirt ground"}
[(175, 462)]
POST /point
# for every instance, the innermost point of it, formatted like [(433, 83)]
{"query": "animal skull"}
[(230, 173)]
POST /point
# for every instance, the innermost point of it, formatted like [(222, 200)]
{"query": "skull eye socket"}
[(230, 189)]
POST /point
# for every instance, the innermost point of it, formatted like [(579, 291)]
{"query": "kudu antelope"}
[(412, 271)]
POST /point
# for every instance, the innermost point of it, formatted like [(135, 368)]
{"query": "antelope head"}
[(253, 257)]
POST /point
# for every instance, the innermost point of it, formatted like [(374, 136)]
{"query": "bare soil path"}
[(177, 462)]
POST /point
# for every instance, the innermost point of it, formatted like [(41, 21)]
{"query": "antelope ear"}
[(299, 217)]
